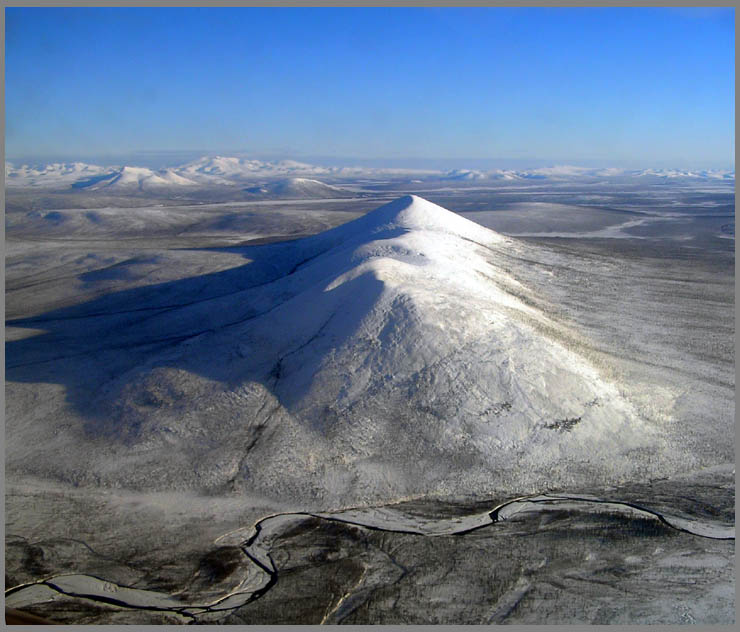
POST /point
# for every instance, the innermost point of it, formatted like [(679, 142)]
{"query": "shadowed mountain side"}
[(392, 355)]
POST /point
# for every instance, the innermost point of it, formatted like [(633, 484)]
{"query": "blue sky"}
[(631, 87)]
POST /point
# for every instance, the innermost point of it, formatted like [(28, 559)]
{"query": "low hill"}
[(298, 188)]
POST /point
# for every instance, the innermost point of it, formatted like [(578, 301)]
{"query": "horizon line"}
[(392, 162)]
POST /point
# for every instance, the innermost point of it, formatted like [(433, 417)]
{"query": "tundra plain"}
[(371, 399)]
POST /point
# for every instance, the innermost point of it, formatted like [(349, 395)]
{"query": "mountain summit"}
[(412, 212)]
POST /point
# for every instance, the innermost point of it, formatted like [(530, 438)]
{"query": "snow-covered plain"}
[(407, 354)]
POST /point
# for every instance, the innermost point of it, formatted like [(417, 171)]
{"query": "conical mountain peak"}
[(409, 213), (412, 211)]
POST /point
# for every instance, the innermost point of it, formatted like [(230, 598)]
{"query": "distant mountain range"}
[(568, 172), (139, 178), (225, 170)]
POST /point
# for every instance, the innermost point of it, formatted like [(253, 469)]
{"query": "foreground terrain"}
[(207, 418)]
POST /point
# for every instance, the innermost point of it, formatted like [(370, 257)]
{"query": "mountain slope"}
[(391, 356)]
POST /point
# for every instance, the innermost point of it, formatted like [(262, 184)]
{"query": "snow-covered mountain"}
[(135, 178), (465, 174), (299, 188), (232, 169), (475, 175), (390, 356), (224, 168), (55, 174)]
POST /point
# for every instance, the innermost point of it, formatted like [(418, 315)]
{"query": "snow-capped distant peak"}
[(130, 178), (464, 174), (305, 181), (173, 178), (132, 175)]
